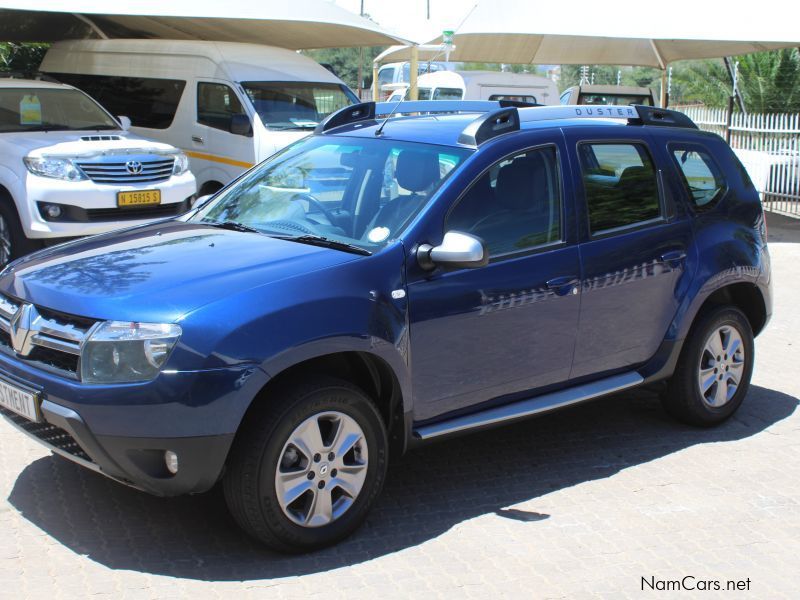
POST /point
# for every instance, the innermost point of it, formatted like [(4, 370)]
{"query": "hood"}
[(73, 144), (158, 272)]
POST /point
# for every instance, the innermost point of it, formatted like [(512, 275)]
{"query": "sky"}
[(408, 18)]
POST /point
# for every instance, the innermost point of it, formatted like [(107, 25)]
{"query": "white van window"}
[(514, 97), (424, 93), (216, 105), (448, 94), (385, 75), (296, 105), (146, 101)]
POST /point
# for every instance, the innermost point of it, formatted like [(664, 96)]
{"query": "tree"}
[(344, 62), (24, 58)]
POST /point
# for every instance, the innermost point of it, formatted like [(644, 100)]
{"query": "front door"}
[(509, 327)]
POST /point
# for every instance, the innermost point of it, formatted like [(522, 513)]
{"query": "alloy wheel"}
[(322, 469), (721, 367)]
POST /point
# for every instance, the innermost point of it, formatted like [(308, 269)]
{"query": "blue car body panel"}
[(251, 307)]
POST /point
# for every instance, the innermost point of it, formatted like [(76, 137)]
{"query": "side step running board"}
[(531, 406)]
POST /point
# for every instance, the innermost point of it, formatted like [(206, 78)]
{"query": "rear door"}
[(634, 243)]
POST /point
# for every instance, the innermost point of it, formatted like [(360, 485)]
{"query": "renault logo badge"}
[(21, 324)]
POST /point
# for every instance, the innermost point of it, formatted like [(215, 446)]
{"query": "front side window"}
[(147, 101), (701, 175), (385, 76), (296, 105), (44, 109), (217, 106), (362, 192), (514, 206), (620, 185)]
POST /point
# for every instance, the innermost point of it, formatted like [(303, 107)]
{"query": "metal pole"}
[(664, 99), (361, 61), (375, 90), (413, 93)]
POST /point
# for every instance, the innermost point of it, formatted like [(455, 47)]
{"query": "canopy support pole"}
[(101, 34), (663, 66), (375, 91), (413, 92)]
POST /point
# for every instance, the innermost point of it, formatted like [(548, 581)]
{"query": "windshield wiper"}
[(320, 240), (233, 226)]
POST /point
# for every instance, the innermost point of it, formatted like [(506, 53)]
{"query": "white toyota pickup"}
[(68, 169)]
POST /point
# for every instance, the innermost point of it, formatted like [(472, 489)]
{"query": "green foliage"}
[(24, 58), (345, 62)]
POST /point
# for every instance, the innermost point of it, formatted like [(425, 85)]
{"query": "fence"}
[(767, 145)]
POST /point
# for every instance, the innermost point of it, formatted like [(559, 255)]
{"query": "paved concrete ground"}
[(580, 504)]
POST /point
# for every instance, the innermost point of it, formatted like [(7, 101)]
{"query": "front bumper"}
[(90, 208), (123, 431)]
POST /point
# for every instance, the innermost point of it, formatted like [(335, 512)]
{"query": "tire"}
[(263, 456), (13, 242), (701, 404)]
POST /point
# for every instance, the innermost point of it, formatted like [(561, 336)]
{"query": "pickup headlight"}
[(55, 168), (124, 352), (181, 164)]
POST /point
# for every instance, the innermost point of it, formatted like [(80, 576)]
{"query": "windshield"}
[(45, 109), (296, 105), (359, 191)]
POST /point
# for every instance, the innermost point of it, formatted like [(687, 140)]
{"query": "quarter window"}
[(620, 184), (515, 205), (146, 101), (701, 175), (216, 105)]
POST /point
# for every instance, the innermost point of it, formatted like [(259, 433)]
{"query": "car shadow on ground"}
[(431, 490)]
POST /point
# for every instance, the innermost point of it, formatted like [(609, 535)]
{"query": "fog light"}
[(171, 460), (53, 211)]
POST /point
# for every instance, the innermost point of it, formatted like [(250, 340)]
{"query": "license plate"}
[(139, 198), (20, 401)]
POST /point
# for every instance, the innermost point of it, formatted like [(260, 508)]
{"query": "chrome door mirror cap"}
[(457, 250)]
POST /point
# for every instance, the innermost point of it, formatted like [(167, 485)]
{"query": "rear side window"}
[(447, 94), (146, 101), (515, 98), (216, 105), (515, 206), (701, 175), (620, 184)]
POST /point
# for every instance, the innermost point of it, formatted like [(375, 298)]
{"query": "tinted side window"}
[(216, 105), (620, 184), (702, 176), (146, 101), (515, 205), (515, 98)]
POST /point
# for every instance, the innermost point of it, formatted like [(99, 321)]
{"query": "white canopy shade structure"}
[(593, 33), (292, 24)]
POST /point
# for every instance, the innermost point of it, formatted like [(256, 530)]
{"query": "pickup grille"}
[(54, 342), (121, 170)]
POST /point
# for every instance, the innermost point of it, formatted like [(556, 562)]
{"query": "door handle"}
[(674, 256), (560, 283), (197, 139)]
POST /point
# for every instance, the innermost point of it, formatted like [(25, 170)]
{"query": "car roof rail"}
[(634, 114), (368, 111), (490, 125)]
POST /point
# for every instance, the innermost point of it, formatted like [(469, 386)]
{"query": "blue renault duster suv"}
[(385, 282)]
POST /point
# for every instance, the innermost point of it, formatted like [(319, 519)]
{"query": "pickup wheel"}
[(307, 466), (13, 242), (713, 372)]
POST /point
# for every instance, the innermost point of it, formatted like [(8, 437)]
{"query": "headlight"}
[(124, 352), (181, 164), (56, 168)]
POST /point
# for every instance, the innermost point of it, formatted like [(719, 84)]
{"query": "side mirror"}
[(240, 125), (124, 122), (457, 250)]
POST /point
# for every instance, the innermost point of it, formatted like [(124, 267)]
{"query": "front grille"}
[(53, 436), (54, 339), (152, 171), (139, 212)]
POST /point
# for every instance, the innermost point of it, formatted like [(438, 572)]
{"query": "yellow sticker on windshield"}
[(30, 111)]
